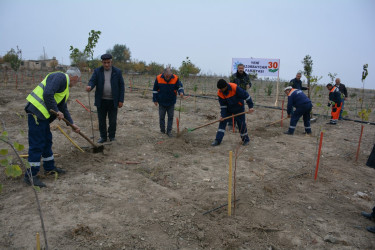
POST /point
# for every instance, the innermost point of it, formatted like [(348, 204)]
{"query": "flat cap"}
[(106, 57)]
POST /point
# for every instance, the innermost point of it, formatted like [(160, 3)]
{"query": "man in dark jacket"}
[(344, 94), (51, 94), (109, 96), (231, 100), (241, 78), (335, 102), (296, 83), (164, 94), (297, 99)]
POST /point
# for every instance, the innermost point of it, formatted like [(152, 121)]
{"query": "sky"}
[(339, 35)]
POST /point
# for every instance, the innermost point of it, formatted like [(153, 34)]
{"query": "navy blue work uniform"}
[(297, 99), (231, 103), (165, 93)]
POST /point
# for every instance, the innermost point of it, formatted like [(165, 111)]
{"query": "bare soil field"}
[(103, 202)]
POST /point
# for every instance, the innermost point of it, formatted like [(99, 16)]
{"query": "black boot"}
[(369, 216), (215, 143), (36, 181), (371, 229)]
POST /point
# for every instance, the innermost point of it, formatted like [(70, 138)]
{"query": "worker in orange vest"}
[(335, 102)]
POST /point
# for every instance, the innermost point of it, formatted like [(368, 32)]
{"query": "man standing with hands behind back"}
[(109, 96)]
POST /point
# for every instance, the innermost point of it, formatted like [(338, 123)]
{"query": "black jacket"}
[(241, 79), (342, 89), (297, 84), (117, 85)]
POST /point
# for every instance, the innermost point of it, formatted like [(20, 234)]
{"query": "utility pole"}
[(44, 54)]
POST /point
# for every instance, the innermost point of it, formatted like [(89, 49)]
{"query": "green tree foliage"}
[(155, 68), (13, 57), (187, 68), (307, 70), (138, 66), (85, 57), (332, 77), (120, 53)]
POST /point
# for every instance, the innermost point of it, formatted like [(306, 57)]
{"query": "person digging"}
[(231, 100), (51, 94), (297, 99)]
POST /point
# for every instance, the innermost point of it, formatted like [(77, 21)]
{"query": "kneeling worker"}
[(231, 99), (297, 99)]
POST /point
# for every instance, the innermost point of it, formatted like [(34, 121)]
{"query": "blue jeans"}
[(162, 111), (107, 108), (40, 145)]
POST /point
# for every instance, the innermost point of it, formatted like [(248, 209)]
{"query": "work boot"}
[(102, 140), (288, 133), (169, 134), (307, 133), (245, 143), (371, 229), (162, 131), (369, 216), (215, 143), (112, 139), (331, 123), (55, 170), (36, 181)]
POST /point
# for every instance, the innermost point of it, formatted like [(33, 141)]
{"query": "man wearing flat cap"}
[(109, 96)]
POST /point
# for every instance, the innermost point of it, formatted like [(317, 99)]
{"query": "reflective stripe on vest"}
[(291, 91), (36, 96)]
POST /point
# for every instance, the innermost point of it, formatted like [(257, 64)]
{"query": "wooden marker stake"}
[(230, 185)]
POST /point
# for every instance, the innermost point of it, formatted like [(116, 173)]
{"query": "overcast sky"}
[(338, 34)]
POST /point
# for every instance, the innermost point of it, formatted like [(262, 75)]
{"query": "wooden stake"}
[(359, 144), (178, 125), (37, 241), (230, 185), (318, 157), (282, 114)]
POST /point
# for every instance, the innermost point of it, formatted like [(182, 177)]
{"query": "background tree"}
[(307, 70), (81, 58), (332, 77), (120, 53), (14, 58), (138, 66), (187, 68), (155, 68)]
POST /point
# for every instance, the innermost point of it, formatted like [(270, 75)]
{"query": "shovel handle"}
[(71, 125), (276, 122), (226, 118)]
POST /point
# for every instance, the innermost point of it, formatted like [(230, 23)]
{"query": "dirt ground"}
[(103, 202)]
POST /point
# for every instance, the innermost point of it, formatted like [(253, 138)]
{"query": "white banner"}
[(260, 66)]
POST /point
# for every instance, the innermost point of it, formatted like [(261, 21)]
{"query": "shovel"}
[(275, 122), (96, 149), (207, 124)]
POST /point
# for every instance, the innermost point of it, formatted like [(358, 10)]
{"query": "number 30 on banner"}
[(273, 65)]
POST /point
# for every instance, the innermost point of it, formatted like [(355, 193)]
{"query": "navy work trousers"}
[(162, 111), (241, 124), (40, 145), (302, 110), (107, 108)]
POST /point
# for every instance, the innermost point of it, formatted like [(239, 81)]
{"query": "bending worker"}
[(231, 99), (297, 99), (335, 101), (51, 93)]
